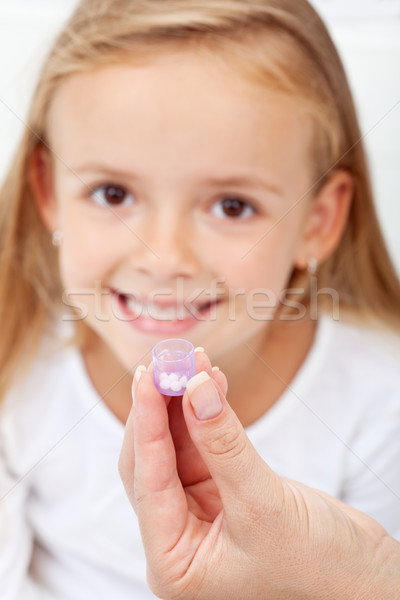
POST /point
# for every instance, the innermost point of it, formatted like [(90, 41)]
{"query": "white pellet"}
[(173, 377), (175, 386), (183, 380), (164, 383)]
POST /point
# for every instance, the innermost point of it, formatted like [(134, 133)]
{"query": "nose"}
[(166, 249)]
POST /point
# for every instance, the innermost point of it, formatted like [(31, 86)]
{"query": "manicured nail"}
[(203, 396), (199, 349), (136, 378), (215, 369), (138, 373)]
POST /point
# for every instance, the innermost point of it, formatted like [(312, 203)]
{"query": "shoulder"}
[(45, 401), (45, 377), (351, 378)]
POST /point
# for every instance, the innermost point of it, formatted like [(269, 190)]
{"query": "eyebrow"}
[(244, 181), (254, 181), (104, 169)]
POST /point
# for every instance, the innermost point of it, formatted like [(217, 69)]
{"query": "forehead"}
[(179, 105)]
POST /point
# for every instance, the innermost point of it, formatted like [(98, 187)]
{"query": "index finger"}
[(159, 498)]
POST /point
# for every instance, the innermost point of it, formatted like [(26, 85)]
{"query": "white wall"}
[(367, 33), (27, 29)]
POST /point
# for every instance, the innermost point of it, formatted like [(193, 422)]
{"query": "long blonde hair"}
[(278, 43)]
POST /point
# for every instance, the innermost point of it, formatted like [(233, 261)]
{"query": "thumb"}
[(244, 481)]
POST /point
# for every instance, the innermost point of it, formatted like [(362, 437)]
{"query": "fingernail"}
[(215, 369), (199, 349), (136, 378), (138, 373), (203, 396)]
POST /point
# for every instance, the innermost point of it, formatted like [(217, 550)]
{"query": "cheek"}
[(267, 263), (77, 267), (84, 256), (256, 282)]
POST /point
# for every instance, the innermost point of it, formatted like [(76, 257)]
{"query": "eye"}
[(112, 195), (232, 208)]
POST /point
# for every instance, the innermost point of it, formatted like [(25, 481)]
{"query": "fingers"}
[(126, 463), (190, 465), (157, 493), (203, 363), (159, 457), (232, 461), (220, 379)]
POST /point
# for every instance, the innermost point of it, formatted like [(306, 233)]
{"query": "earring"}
[(57, 237), (312, 265)]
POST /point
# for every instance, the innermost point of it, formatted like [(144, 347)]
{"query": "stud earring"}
[(57, 237), (312, 265)]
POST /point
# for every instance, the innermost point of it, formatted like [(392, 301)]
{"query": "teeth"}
[(154, 311)]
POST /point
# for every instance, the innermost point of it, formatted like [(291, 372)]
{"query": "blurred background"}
[(366, 32)]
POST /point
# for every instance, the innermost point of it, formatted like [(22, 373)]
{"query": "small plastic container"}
[(174, 365)]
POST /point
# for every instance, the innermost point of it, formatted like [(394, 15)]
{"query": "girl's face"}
[(179, 189)]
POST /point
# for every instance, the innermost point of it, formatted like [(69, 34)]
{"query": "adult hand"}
[(218, 523)]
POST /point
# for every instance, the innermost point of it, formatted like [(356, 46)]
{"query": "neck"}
[(263, 368), (258, 372), (112, 381)]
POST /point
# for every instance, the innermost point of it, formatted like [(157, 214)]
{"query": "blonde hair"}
[(278, 43)]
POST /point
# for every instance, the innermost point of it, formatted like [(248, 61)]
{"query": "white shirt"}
[(67, 530)]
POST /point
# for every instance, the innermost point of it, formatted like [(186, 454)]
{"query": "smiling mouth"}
[(171, 312)]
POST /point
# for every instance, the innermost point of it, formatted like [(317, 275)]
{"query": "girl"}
[(188, 170)]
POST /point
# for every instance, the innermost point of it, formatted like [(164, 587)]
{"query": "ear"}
[(41, 180), (327, 219)]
